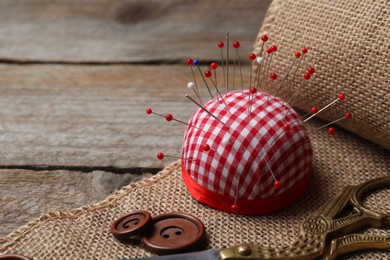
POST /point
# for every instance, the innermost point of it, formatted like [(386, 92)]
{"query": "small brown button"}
[(14, 257), (131, 224), (173, 233)]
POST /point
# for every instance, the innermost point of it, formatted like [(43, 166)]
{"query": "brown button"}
[(14, 257), (174, 233), (131, 224)]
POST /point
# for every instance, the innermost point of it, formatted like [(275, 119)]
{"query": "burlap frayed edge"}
[(23, 231)]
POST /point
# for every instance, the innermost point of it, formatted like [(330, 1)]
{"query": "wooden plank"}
[(24, 195), (124, 31), (92, 116)]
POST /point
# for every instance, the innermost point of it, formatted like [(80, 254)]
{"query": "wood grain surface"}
[(92, 116), (137, 31), (76, 78)]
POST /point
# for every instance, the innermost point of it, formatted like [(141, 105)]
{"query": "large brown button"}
[(14, 257), (131, 224), (173, 233)]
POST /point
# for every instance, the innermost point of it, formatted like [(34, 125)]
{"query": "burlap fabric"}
[(349, 43), (85, 233)]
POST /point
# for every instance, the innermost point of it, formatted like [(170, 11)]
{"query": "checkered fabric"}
[(259, 151)]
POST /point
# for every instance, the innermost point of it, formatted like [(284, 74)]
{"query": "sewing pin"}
[(264, 39), (190, 62), (220, 46), (341, 96), (236, 45), (214, 66), (161, 156), (204, 80), (205, 109), (297, 55), (289, 83), (169, 118), (347, 116), (253, 92), (191, 85), (306, 76), (259, 61), (270, 51), (273, 77), (252, 58), (227, 63), (276, 182)]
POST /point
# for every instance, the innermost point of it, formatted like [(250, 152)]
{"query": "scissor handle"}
[(362, 189)]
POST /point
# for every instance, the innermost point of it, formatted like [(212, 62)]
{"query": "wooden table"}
[(75, 80)]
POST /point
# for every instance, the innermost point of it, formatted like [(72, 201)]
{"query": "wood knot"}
[(138, 11)]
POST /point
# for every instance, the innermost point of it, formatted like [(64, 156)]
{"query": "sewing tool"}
[(246, 151), (326, 234)]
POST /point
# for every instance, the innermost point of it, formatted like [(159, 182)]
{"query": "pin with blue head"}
[(247, 150)]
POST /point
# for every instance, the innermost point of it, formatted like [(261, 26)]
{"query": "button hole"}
[(130, 222), (165, 236), (179, 233)]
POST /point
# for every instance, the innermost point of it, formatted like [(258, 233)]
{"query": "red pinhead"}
[(306, 76), (341, 96), (348, 115), (169, 117), (331, 130), (149, 111), (269, 50), (253, 90), (274, 48), (287, 127), (273, 76), (311, 70), (264, 38), (236, 44), (234, 207), (252, 56), (207, 74), (214, 65), (297, 54), (277, 184), (160, 156), (189, 61), (221, 45), (314, 110), (206, 148), (304, 50)]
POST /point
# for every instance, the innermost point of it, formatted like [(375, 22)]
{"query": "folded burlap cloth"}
[(350, 43), (84, 233)]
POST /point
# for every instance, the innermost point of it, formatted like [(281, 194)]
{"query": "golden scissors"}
[(325, 235)]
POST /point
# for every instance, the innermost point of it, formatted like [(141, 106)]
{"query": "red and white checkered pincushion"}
[(257, 163)]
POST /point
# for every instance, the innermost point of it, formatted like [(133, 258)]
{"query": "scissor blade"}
[(211, 254)]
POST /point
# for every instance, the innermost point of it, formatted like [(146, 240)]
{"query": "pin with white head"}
[(193, 85), (271, 175)]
